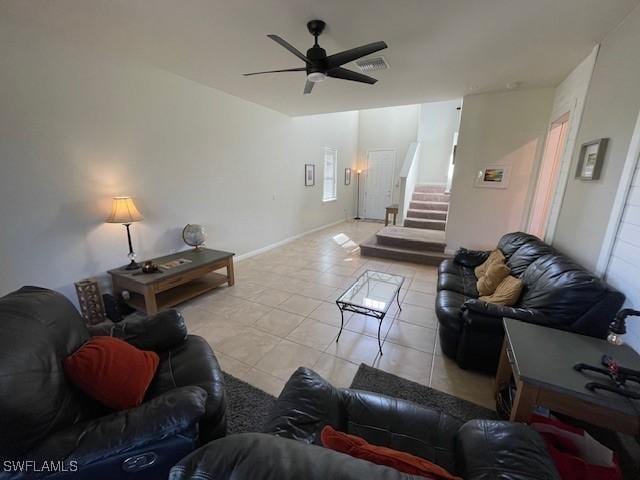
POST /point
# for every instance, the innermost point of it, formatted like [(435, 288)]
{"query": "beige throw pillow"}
[(488, 283), (507, 293), (495, 256)]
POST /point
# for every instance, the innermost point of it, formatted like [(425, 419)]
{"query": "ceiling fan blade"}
[(290, 47), (339, 59), (346, 74), (308, 87), (301, 69)]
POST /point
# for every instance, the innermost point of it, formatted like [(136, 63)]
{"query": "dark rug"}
[(374, 380), (248, 406)]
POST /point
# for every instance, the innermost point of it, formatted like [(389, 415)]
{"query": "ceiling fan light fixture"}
[(316, 77), (319, 65)]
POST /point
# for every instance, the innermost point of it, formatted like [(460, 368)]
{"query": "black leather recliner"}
[(46, 419), (557, 293), (289, 449)]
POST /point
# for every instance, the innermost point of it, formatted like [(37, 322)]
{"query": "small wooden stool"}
[(391, 209)]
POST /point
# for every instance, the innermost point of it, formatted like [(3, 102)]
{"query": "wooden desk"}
[(391, 209), (164, 289), (541, 361)]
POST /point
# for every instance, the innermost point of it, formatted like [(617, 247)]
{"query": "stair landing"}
[(406, 244)]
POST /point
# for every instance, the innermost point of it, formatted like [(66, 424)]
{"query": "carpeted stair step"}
[(371, 248), (428, 214), (420, 205), (430, 189), (412, 238), (426, 224), (430, 197)]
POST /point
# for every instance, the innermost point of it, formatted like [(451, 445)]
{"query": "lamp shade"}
[(123, 210)]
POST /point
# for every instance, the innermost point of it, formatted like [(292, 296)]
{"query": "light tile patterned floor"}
[(281, 314)]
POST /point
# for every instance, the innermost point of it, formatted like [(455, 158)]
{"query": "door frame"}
[(561, 119), (366, 177), (624, 185)]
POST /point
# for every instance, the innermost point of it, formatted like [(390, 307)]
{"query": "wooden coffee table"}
[(541, 361), (164, 289)]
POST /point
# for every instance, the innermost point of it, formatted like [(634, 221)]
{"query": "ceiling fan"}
[(320, 66)]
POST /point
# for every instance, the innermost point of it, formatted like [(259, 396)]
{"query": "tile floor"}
[(281, 314)]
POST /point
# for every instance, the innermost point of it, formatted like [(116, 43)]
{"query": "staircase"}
[(428, 208)]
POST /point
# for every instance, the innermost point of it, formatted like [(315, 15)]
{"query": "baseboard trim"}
[(253, 253)]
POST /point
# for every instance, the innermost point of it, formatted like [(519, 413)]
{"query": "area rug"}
[(374, 380), (248, 407)]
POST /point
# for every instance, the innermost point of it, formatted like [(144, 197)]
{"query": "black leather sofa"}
[(557, 293), (289, 448), (46, 420)]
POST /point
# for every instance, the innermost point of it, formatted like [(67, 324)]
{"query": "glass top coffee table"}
[(371, 294)]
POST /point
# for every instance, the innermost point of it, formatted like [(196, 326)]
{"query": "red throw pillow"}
[(404, 462), (112, 371)]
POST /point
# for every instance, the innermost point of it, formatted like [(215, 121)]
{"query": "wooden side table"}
[(164, 289), (541, 361), (391, 209)]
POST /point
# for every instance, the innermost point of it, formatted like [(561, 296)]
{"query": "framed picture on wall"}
[(347, 176), (309, 175), (590, 160), (493, 176)]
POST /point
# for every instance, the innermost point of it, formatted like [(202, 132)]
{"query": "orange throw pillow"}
[(403, 462), (112, 371)]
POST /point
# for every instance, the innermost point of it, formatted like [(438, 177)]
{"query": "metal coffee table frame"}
[(378, 314)]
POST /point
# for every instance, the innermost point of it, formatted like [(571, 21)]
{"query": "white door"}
[(379, 182)]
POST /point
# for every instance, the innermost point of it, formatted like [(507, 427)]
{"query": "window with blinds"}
[(330, 175)]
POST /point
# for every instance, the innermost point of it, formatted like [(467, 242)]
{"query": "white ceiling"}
[(438, 49)]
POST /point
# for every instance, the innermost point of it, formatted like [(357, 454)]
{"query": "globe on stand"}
[(194, 235)]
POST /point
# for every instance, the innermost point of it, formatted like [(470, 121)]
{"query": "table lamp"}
[(125, 212)]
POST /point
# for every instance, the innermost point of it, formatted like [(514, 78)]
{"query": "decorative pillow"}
[(404, 462), (495, 256), (507, 293), (112, 371), (488, 283)]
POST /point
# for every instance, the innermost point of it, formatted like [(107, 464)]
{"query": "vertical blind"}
[(623, 271), (330, 174)]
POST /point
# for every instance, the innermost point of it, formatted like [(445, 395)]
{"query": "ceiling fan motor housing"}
[(318, 57)]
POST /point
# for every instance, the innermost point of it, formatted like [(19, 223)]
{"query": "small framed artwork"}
[(309, 175), (590, 160), (347, 176), (493, 176)]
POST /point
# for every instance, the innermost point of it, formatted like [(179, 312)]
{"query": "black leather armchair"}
[(45, 419), (556, 293), (289, 449)]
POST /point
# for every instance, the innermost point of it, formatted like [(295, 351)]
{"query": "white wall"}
[(569, 97), (438, 123), (611, 108), (387, 128), (78, 126), (496, 129), (408, 179)]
